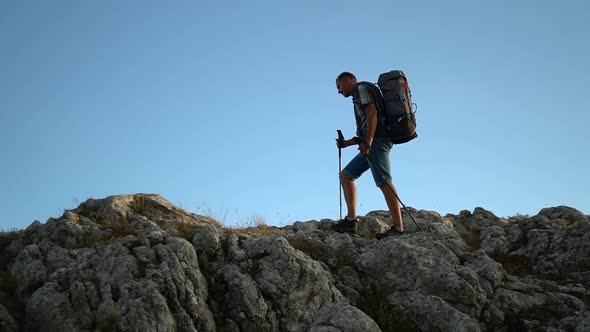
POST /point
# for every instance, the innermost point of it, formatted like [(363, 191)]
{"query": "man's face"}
[(345, 86)]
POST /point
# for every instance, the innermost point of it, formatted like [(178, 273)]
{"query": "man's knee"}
[(345, 177)]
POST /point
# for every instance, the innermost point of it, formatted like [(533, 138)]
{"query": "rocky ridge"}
[(139, 263)]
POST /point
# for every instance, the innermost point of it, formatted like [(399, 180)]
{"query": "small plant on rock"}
[(384, 314)]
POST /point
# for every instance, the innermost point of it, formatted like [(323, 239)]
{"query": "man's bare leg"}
[(393, 204), (349, 189)]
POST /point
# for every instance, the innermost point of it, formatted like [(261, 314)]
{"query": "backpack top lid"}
[(394, 74)]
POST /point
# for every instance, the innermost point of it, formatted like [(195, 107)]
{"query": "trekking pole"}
[(340, 141), (390, 186)]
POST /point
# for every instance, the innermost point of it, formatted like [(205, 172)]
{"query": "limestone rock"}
[(344, 319), (125, 263), (7, 323), (432, 313)]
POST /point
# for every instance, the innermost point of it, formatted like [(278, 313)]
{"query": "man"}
[(372, 143)]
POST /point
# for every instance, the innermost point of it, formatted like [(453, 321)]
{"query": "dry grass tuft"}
[(119, 228), (550, 286), (471, 238), (257, 231), (8, 235), (188, 230), (255, 226), (313, 248), (141, 206), (518, 266)]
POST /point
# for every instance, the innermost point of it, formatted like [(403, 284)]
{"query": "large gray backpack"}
[(399, 116)]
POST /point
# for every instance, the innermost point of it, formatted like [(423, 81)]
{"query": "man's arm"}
[(371, 123), (346, 143)]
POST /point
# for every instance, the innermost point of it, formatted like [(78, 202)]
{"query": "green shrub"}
[(109, 323), (383, 313)]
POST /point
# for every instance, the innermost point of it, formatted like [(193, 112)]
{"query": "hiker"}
[(373, 143)]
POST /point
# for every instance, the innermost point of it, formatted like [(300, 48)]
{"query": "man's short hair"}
[(346, 75)]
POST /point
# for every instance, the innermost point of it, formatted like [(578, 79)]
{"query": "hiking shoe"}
[(345, 225), (391, 232)]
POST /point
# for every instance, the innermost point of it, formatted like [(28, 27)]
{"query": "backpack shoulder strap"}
[(373, 89), (376, 94)]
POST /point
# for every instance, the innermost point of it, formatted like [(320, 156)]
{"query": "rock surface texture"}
[(139, 263)]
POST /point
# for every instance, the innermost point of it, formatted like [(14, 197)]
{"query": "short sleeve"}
[(362, 95)]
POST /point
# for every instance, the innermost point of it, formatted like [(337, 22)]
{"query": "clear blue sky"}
[(230, 107)]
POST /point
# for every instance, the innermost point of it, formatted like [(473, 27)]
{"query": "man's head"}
[(345, 83)]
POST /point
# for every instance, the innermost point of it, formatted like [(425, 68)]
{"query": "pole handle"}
[(340, 138)]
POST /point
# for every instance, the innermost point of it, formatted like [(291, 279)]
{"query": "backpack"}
[(399, 117)]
